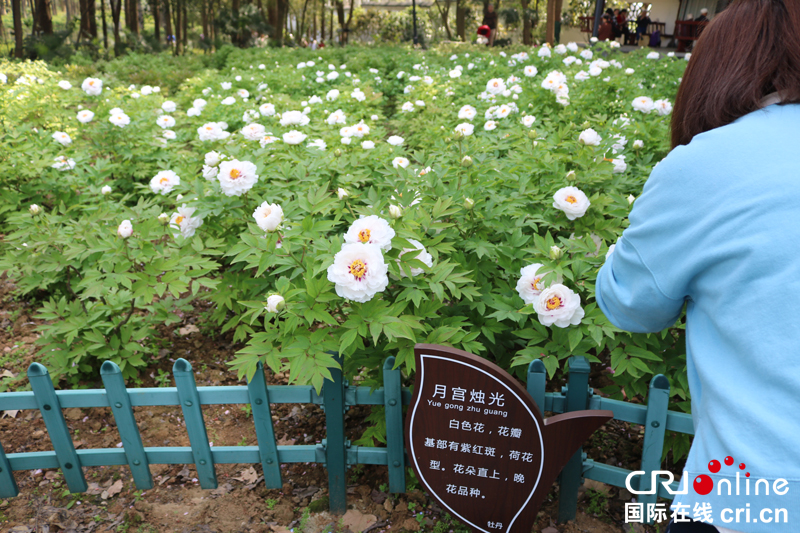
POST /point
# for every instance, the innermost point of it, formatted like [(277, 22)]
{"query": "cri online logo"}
[(703, 484)]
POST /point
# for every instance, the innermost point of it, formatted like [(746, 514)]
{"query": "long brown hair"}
[(748, 51)]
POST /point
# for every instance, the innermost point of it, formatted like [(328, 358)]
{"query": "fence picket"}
[(265, 433), (654, 432), (195, 425), (126, 424), (577, 400), (537, 379), (335, 453), (8, 485), (57, 427), (395, 442)]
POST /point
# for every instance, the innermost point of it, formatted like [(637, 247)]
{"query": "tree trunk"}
[(92, 19), (155, 9), (550, 31), (67, 7), (133, 25), (527, 36), (167, 19), (105, 26), (16, 10), (445, 15), (84, 31), (116, 11), (177, 12), (185, 32), (322, 21), (461, 20)]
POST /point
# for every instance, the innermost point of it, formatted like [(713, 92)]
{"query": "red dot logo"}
[(742, 466), (729, 460), (703, 484), (747, 474), (714, 466)]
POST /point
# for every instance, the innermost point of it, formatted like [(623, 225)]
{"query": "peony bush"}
[(457, 196)]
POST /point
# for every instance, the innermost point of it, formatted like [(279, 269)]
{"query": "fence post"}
[(577, 400), (537, 378), (121, 408), (57, 428), (393, 403), (335, 453), (8, 485), (195, 425), (655, 427), (265, 432)]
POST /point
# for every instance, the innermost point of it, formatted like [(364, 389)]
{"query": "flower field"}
[(351, 200)]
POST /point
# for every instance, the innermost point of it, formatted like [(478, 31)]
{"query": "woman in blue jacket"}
[(717, 228)]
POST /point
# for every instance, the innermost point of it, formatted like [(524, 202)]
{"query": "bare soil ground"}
[(241, 503)]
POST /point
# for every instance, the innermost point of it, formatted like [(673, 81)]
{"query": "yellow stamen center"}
[(554, 303), (363, 236), (358, 269), (235, 174), (536, 285), (571, 199), (164, 180), (179, 219)]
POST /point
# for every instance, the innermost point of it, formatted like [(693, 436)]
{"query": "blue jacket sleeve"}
[(629, 295)]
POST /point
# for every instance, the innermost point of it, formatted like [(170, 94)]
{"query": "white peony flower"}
[(275, 303), (572, 47), (193, 112), (395, 140), (164, 181), (358, 272), (294, 137), (341, 193), (367, 145), (125, 229), (544, 51), (236, 177), (85, 116), (268, 216), (663, 107), (467, 112), (582, 75), (589, 137), (119, 119), (531, 284), (267, 139), (455, 73), (495, 86), (210, 173), (400, 162), (653, 55), (199, 103), (62, 138), (230, 100), (466, 129), (184, 222), (253, 132), (169, 106), (226, 85), (586, 54), (358, 94), (360, 129), (213, 158), (528, 121), (421, 255), (92, 86), (371, 230), (292, 118), (490, 125), (629, 71), (644, 104), (319, 144), (407, 107), (638, 144), (572, 201), (558, 305), (105, 190), (560, 49), (620, 165), (165, 121), (332, 95), (64, 84), (243, 93), (267, 110), (63, 163)]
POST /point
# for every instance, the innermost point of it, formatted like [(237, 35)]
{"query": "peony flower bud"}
[(337, 153), (556, 253), (342, 194), (275, 303), (35, 209), (631, 198), (469, 203), (163, 218), (395, 211), (106, 189), (466, 162), (179, 198), (125, 229), (532, 134), (571, 175)]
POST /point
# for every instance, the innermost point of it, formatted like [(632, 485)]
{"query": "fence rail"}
[(334, 452)]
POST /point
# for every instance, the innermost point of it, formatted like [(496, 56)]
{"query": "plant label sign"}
[(479, 444)]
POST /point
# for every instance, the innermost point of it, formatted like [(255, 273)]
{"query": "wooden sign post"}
[(479, 444)]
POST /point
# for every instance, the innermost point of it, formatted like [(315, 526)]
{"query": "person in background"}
[(642, 22), (715, 232), (490, 19), (606, 30), (612, 17), (703, 15), (622, 24)]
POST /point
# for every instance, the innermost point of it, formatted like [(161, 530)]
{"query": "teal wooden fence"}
[(334, 452)]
